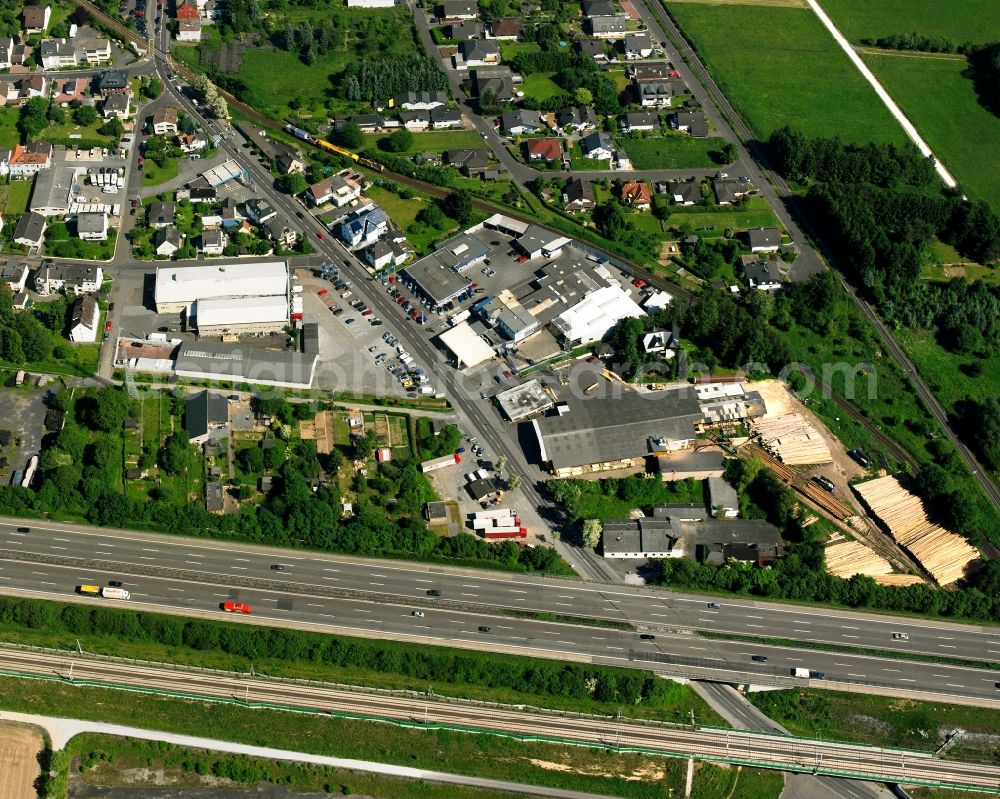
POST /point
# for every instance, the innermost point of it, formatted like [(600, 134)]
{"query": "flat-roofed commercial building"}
[(606, 433), (236, 315), (212, 360)]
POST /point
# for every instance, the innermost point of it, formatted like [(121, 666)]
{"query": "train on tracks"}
[(306, 136)]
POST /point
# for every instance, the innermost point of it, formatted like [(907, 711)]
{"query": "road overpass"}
[(423, 712)]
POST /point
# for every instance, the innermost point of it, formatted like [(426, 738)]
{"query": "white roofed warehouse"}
[(226, 298)]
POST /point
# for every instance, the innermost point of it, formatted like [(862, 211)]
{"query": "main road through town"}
[(768, 750), (493, 611)]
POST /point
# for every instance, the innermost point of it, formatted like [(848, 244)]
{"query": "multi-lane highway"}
[(379, 598), (770, 751)]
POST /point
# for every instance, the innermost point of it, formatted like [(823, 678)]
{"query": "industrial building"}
[(524, 401), (226, 299), (591, 319), (467, 347), (209, 360), (616, 432)]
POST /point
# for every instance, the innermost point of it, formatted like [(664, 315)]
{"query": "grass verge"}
[(882, 721)]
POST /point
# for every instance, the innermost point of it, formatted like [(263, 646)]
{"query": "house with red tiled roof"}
[(187, 11), (543, 149), (637, 194)]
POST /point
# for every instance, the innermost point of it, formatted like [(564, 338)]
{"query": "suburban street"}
[(750, 748), (378, 598)]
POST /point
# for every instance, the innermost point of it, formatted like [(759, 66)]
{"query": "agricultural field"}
[(20, 746), (942, 103), (961, 21), (673, 151), (779, 66)]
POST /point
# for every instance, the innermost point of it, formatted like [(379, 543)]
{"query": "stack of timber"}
[(846, 557), (791, 439), (942, 553)]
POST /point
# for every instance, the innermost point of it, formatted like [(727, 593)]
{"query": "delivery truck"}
[(114, 593), (797, 672), (89, 590), (440, 463)]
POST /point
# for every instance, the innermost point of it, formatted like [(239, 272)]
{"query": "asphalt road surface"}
[(760, 749), (379, 598)]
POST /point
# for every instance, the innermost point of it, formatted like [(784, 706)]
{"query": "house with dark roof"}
[(606, 27), (36, 18), (458, 9), (576, 119), (761, 273), (161, 214), (597, 145), (598, 8), (521, 121), (639, 121), (508, 28), (259, 211), (166, 241), (206, 416), (113, 81), (729, 192), (578, 195), (637, 45), (420, 101), (30, 230), (445, 118), (597, 49), (470, 162), (467, 29), (214, 502), (763, 239), (682, 192), (84, 320), (476, 53), (694, 123), (495, 81)]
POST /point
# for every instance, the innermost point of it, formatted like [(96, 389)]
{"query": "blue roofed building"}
[(364, 226)]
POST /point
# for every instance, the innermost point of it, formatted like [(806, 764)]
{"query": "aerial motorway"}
[(765, 750), (636, 627)]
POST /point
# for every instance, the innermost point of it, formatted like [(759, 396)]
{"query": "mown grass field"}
[(779, 66), (673, 151), (942, 103), (757, 213), (958, 20), (432, 141), (541, 86)]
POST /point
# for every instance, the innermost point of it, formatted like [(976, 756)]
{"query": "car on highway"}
[(433, 592), (484, 629), (900, 637), (24, 529), (418, 613), (320, 235), (237, 607), (647, 637), (758, 658), (714, 605), (115, 583), (277, 567)]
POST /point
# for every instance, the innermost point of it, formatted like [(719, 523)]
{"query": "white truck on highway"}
[(114, 593), (797, 672)]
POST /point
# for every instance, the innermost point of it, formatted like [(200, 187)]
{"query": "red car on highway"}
[(237, 607), (319, 234)]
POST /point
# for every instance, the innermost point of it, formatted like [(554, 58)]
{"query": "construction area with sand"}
[(944, 555), (19, 768)]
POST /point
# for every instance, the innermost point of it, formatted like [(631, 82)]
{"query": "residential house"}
[(20, 90), (578, 195), (36, 18), (232, 219), (92, 226), (165, 121), (117, 105), (71, 279), (693, 123), (340, 189), (259, 211), (543, 149), (26, 160), (598, 8), (521, 121), (30, 230), (211, 11), (213, 241), (682, 192), (385, 253), (637, 45), (364, 226), (166, 241), (369, 123), (661, 342), (508, 29), (415, 120), (113, 81), (459, 31), (760, 273), (188, 11), (722, 499), (472, 163), (763, 239), (597, 49), (729, 192), (57, 54), (161, 214), (576, 119), (636, 194), (597, 146), (192, 142), (639, 120), (496, 82), (279, 232), (7, 52), (458, 9), (289, 163), (189, 30), (444, 118), (69, 90), (659, 93), (206, 416), (84, 320), (14, 274), (94, 52), (476, 53), (420, 101), (607, 27)]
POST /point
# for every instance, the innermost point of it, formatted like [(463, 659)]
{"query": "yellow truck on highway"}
[(89, 590), (107, 593)]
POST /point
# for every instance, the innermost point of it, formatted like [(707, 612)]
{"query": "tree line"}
[(26, 336), (421, 664), (378, 77)]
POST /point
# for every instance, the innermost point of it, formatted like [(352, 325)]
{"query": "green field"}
[(757, 213), (8, 127), (942, 103), (958, 20), (18, 194), (673, 151), (540, 86), (153, 175), (779, 66), (432, 141)]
